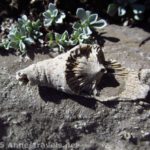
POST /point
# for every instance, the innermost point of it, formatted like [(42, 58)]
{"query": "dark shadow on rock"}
[(101, 38), (143, 25), (37, 50), (111, 104), (31, 51), (147, 99), (108, 80), (87, 102), (148, 96), (3, 129), (144, 41), (52, 95)]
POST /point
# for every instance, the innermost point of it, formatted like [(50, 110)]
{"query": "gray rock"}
[(40, 118)]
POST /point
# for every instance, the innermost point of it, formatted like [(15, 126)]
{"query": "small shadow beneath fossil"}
[(52, 95), (108, 80)]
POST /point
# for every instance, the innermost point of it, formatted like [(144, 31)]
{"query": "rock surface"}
[(42, 118)]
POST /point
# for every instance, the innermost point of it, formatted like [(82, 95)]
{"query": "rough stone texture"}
[(38, 117)]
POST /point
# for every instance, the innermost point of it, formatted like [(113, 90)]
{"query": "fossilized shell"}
[(78, 71)]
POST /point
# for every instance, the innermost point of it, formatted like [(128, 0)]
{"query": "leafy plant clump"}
[(27, 32), (58, 40), (128, 10), (23, 34), (82, 30)]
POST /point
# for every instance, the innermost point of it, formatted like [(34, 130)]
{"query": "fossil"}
[(80, 71)]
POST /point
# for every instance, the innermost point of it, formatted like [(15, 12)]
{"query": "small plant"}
[(63, 40), (88, 21), (53, 16), (29, 28), (79, 37), (82, 31), (59, 40), (21, 35), (127, 10)]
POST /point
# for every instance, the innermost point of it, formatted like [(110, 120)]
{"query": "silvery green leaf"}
[(29, 29), (65, 35), (87, 30), (81, 14), (29, 41), (88, 13), (99, 24), (41, 41), (7, 46), (11, 36), (12, 32), (5, 43), (81, 40), (48, 22), (54, 13), (74, 34), (50, 36), (24, 17), (93, 18), (36, 32), (13, 28), (85, 36), (73, 42), (61, 48), (51, 7), (136, 17), (21, 46), (40, 33), (121, 11), (76, 25), (14, 44), (63, 14), (138, 9), (112, 9), (57, 36), (47, 14), (37, 23), (60, 17)]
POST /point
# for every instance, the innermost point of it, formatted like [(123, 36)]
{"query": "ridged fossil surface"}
[(82, 71)]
